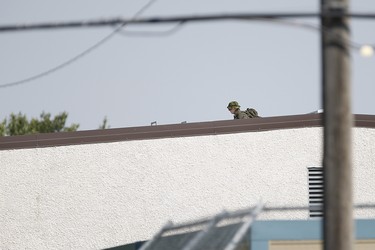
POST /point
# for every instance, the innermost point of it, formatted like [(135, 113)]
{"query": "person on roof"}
[(234, 108)]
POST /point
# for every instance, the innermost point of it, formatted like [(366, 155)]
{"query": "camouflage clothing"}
[(240, 115), (234, 108), (233, 104)]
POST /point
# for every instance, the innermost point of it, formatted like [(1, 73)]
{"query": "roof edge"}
[(170, 131)]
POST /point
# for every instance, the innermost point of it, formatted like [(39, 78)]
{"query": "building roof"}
[(173, 130)]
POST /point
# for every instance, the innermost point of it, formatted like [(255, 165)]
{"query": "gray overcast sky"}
[(190, 75)]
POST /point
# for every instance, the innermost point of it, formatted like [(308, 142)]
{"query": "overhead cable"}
[(179, 19), (149, 33), (348, 42), (64, 64), (279, 18), (80, 55)]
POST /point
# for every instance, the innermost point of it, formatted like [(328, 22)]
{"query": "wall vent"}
[(315, 191)]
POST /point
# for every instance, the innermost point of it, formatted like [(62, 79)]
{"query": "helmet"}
[(233, 104)]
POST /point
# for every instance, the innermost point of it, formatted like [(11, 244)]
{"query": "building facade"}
[(103, 188)]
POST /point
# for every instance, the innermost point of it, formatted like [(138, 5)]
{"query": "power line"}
[(143, 9), (350, 43), (161, 33), (80, 55), (119, 30), (64, 64), (179, 19)]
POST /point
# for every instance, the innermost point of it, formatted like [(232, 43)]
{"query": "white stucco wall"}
[(103, 195)]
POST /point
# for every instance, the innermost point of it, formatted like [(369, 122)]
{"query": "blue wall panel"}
[(264, 231)]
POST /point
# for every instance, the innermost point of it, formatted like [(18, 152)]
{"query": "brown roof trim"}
[(169, 131)]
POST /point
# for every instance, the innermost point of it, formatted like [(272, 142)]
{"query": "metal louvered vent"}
[(315, 191)]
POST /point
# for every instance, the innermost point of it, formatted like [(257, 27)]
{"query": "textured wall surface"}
[(103, 195)]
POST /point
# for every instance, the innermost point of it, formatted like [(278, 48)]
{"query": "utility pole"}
[(337, 120)]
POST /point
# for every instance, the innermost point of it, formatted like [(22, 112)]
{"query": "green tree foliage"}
[(20, 125)]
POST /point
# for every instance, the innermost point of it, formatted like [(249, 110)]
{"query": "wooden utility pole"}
[(337, 120)]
